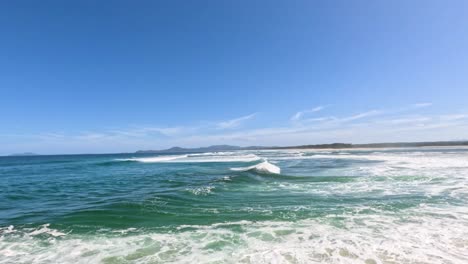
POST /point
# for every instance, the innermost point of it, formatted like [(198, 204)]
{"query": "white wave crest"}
[(155, 159), (197, 158), (263, 167), (43, 229)]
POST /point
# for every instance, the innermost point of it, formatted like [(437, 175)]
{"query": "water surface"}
[(326, 206)]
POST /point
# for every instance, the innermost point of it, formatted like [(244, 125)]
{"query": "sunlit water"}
[(325, 206)]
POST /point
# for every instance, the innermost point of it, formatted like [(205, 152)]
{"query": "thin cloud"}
[(361, 115), (320, 119), (297, 116), (52, 136), (316, 109), (421, 105), (147, 131), (166, 131), (368, 126), (343, 131), (234, 123), (454, 117), (92, 136), (405, 120)]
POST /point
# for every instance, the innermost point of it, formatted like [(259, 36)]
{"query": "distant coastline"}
[(219, 148), (24, 154), (216, 148)]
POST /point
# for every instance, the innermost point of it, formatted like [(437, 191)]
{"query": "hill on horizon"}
[(216, 148)]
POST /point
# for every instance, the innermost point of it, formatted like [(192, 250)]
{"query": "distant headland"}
[(216, 148)]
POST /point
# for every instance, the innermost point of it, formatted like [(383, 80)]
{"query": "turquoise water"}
[(338, 206)]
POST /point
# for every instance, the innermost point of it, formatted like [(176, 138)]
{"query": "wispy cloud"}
[(454, 117), (361, 115), (234, 123), (297, 116), (341, 120), (405, 120), (318, 108), (421, 105), (166, 131), (404, 128), (320, 119), (398, 124), (144, 131)]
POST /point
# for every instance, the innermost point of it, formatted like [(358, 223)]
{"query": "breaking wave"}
[(263, 167), (197, 158), (155, 159)]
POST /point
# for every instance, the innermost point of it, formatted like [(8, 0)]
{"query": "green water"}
[(359, 206)]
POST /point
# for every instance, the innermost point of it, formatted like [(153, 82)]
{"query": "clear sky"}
[(116, 76)]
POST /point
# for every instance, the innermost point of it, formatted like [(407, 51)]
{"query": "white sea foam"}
[(263, 167), (414, 160), (223, 158), (46, 230), (381, 163), (439, 237), (198, 158), (155, 159), (230, 153), (204, 190)]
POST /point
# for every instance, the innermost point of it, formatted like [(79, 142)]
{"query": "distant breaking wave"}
[(155, 159), (262, 167), (197, 158)]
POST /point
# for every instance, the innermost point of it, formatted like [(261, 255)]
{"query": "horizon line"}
[(304, 146)]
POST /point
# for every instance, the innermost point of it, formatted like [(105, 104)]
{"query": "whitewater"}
[(402, 205)]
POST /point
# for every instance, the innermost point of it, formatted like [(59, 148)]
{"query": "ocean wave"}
[(263, 167), (197, 158), (415, 160), (154, 159), (212, 154), (31, 232), (436, 238)]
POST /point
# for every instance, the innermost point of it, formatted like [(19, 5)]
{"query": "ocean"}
[(402, 205)]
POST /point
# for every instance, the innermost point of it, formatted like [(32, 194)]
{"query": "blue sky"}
[(116, 76)]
